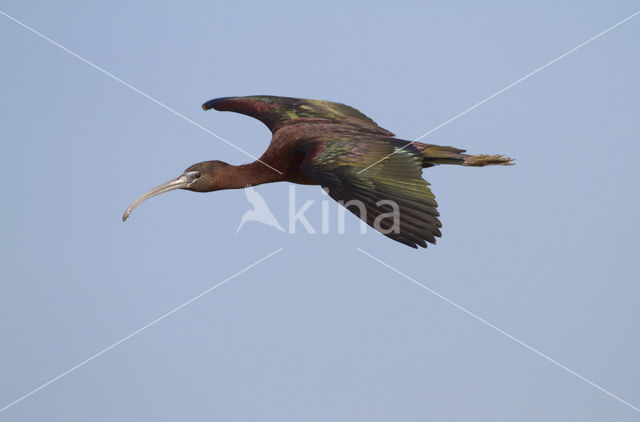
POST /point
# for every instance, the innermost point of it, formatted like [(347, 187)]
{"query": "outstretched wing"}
[(395, 199), (276, 112)]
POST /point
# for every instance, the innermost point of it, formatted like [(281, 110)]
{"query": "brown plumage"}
[(360, 164)]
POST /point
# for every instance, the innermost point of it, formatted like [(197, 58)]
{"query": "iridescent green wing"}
[(277, 112), (395, 199)]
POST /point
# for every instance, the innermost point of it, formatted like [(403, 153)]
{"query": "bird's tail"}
[(435, 154)]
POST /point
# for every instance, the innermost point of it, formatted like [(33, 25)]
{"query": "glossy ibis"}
[(360, 164)]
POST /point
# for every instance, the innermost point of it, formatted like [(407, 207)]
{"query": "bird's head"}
[(201, 177)]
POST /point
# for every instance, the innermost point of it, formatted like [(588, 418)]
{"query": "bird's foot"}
[(487, 160)]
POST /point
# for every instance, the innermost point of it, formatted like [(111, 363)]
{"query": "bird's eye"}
[(197, 175)]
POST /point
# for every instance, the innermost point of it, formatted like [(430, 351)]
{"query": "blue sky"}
[(545, 250)]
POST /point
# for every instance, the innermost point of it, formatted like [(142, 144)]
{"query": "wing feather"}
[(335, 164), (277, 112)]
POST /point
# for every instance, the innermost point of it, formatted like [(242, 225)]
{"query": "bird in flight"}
[(359, 164)]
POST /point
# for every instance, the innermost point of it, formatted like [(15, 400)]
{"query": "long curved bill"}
[(179, 183)]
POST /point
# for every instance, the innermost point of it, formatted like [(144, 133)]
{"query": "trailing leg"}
[(436, 154)]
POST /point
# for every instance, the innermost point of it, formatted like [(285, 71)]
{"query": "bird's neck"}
[(253, 174)]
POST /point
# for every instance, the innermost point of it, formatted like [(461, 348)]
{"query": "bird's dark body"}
[(323, 143)]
